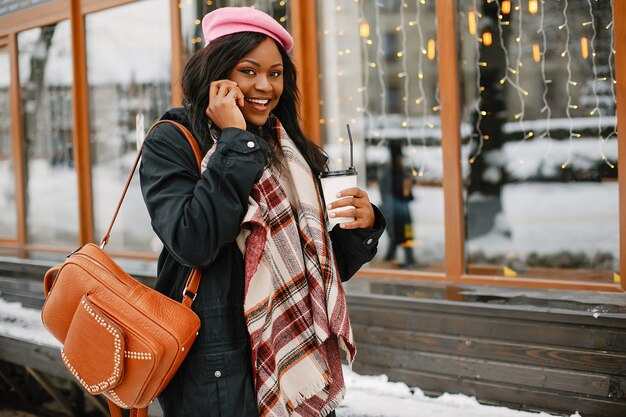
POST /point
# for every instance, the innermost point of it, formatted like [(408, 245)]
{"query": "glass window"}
[(192, 12), (378, 73), (45, 72), (8, 213), (539, 150), (129, 75)]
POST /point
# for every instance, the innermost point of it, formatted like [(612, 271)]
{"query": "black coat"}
[(198, 221)]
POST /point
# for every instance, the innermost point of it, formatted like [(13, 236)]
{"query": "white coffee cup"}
[(334, 182)]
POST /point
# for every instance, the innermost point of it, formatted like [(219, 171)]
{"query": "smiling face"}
[(259, 76)]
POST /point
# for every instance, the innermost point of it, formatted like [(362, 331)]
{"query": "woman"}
[(272, 310)]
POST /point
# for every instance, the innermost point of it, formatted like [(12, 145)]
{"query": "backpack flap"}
[(94, 349)]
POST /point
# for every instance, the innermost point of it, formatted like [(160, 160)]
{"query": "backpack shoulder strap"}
[(193, 281), (196, 151)]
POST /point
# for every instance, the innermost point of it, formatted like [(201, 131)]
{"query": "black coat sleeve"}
[(355, 247), (196, 216)]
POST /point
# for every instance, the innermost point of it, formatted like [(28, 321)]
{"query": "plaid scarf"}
[(294, 304)]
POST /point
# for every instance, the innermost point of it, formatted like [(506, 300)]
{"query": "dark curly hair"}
[(215, 62)]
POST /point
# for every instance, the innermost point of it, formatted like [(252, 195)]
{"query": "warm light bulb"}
[(487, 39), (471, 22), (533, 6), (506, 7), (431, 49), (364, 29), (584, 47), (536, 52)]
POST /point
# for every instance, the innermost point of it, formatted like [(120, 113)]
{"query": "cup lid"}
[(341, 173)]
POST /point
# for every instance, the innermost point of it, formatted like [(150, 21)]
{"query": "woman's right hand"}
[(225, 98)]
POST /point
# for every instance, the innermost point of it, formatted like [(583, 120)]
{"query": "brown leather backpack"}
[(120, 338)]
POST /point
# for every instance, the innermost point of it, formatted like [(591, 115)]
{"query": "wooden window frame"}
[(454, 266), (6, 43), (303, 14)]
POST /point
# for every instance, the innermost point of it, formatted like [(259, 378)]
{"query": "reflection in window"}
[(540, 139), (129, 73), (45, 70), (8, 213), (192, 12), (379, 74)]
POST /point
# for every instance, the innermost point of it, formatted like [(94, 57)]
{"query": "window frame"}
[(306, 57)]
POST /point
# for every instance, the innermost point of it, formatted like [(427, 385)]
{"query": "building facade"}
[(486, 130), (514, 183)]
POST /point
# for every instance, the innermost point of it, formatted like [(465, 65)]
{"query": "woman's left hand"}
[(363, 212)]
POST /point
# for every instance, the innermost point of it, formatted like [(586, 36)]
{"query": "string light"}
[(506, 78), (612, 78), (544, 96), (567, 84), (423, 100), (479, 113), (381, 75), (596, 109), (405, 70), (518, 65), (364, 32)]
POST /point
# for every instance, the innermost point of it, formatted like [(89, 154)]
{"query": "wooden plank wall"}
[(528, 358)]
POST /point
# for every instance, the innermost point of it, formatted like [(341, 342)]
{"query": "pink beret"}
[(228, 20)]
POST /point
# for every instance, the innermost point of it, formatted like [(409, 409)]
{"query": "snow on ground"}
[(375, 396), (367, 396), (23, 324)]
